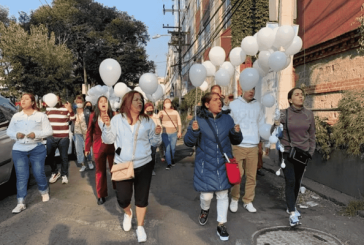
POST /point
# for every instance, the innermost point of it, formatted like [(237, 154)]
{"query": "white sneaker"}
[(127, 221), (83, 168), (54, 177), (142, 236), (90, 165), (250, 207), (64, 179), (19, 208), (45, 197), (234, 205)]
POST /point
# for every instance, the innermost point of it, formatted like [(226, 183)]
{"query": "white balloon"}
[(268, 99), (51, 99), (149, 97), (264, 59), (277, 61), (248, 78), (138, 89), (129, 89), (273, 139), (148, 82), (237, 56), (197, 74), (250, 45), (110, 71), (295, 46), (210, 68), (120, 89), (264, 131), (217, 55), (265, 38), (229, 67), (284, 36), (204, 86), (158, 94), (222, 77), (262, 73), (288, 61), (276, 41)]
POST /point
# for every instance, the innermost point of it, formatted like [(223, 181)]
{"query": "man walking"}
[(59, 117), (246, 112)]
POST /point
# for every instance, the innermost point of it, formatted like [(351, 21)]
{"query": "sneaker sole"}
[(293, 225), (222, 238), (19, 211), (202, 223)]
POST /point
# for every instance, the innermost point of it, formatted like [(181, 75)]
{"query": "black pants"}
[(62, 144), (293, 175), (141, 183)]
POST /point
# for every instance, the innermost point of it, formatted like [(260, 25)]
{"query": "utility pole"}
[(178, 41)]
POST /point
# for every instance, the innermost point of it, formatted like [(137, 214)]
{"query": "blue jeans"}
[(80, 147), (22, 161), (62, 144), (169, 141)]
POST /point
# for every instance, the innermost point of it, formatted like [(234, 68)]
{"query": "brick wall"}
[(325, 80)]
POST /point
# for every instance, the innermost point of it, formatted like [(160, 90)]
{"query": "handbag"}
[(231, 165), (296, 155), (125, 170)]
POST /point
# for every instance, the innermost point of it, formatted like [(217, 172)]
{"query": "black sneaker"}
[(260, 172), (222, 233), (203, 217), (173, 163), (168, 167)]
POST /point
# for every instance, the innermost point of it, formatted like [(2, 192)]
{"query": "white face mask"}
[(167, 105), (79, 105)]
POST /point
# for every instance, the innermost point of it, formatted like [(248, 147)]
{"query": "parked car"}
[(7, 110)]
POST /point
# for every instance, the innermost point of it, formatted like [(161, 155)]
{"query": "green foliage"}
[(32, 62), (94, 32), (348, 132), (251, 16), (323, 142), (360, 20), (353, 207), (190, 98)]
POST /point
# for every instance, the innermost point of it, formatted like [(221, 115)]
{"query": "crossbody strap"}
[(289, 138), (171, 120), (217, 139), (135, 139)]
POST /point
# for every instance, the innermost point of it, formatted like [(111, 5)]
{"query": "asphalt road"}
[(72, 215)]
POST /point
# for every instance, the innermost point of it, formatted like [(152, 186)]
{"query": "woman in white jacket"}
[(120, 131), (28, 128)]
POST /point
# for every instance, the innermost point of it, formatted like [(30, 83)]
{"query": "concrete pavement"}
[(72, 215)]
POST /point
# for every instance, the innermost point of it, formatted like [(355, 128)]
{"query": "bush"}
[(323, 142), (348, 132)]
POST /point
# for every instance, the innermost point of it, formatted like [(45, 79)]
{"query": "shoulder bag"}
[(296, 155), (125, 170), (232, 167)]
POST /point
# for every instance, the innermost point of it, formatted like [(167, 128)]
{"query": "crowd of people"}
[(222, 129)]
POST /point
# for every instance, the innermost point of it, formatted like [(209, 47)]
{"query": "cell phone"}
[(118, 150)]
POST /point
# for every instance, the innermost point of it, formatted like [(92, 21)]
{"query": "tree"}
[(93, 33), (4, 13), (32, 61)]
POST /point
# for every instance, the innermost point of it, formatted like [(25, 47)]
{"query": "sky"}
[(148, 11)]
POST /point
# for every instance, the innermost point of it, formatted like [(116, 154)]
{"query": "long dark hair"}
[(126, 105), (97, 112), (32, 98)]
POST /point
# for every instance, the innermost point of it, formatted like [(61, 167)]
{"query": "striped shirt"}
[(170, 122), (59, 118)]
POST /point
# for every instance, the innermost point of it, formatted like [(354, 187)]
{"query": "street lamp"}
[(158, 36)]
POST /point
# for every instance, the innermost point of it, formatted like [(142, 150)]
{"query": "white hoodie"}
[(249, 116)]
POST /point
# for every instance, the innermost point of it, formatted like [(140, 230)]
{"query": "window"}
[(227, 13)]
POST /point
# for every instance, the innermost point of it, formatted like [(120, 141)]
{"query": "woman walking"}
[(102, 151), (80, 135), (210, 172), (131, 122), (172, 129), (300, 133), (28, 128)]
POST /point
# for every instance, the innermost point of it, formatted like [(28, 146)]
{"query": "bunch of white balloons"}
[(94, 93), (149, 87)]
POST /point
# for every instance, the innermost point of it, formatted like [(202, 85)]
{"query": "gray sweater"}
[(301, 125)]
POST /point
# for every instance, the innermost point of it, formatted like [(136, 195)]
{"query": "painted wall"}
[(322, 20)]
